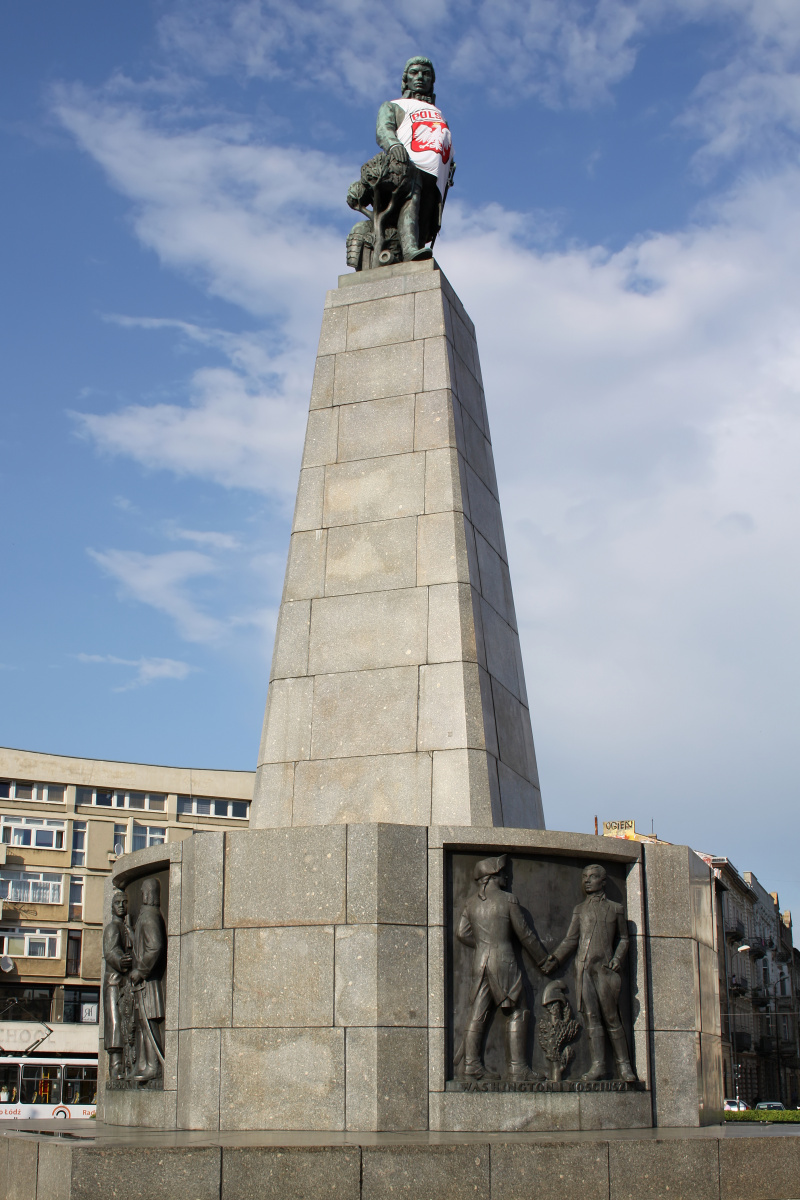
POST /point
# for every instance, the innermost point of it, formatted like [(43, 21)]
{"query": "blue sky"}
[(624, 231)]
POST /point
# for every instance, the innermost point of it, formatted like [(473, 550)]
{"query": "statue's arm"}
[(113, 950), (525, 934), (389, 117), (570, 942), (621, 951), (464, 932)]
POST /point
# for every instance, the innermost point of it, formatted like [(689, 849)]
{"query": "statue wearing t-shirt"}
[(406, 184)]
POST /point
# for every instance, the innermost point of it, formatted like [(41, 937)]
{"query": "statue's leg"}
[(590, 1006), (616, 1035), (475, 1032), (517, 1035), (408, 225)]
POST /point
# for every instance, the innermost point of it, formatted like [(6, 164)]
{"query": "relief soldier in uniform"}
[(149, 950), (599, 932), (117, 953), (491, 917)]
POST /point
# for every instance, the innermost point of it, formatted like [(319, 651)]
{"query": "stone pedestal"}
[(397, 691)]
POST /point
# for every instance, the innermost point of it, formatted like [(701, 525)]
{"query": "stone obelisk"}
[(397, 691)]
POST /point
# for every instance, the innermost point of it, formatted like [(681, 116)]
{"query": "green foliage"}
[(765, 1114)]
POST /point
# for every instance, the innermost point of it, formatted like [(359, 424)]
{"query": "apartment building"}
[(63, 822)]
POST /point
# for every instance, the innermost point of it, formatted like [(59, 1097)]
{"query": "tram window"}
[(9, 1084), (80, 1085), (41, 1085)]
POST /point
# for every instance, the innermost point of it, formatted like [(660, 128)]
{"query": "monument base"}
[(315, 981), (734, 1162)]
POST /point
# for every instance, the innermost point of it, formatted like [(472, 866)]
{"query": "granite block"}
[(387, 1079), (368, 631), (708, 966), (310, 493), (321, 441), (675, 984), (282, 1079), (380, 322), (54, 1176), (445, 695), (374, 489), (452, 786), (477, 450), (272, 796), (445, 487), (285, 876), (410, 273), (394, 370), (436, 915), (365, 712), (322, 386), (283, 977), (363, 290), (501, 642), (287, 729), (387, 874), (504, 1112), (436, 420), (198, 1079), (333, 334), (148, 1110), (431, 315), (170, 1069), (291, 1173), (438, 366), (680, 1168), (436, 975), (520, 800), (712, 1097), (377, 556), (701, 895), (387, 787), (201, 885), (425, 1172), (677, 1083), (381, 975), (485, 512), (495, 582), (669, 909), (760, 1168), (154, 1172), (442, 549), (290, 653), (622, 1110), (452, 631), (523, 1169), (464, 342), (376, 428), (469, 392), (21, 1166), (172, 979), (206, 974), (305, 568), (513, 732)]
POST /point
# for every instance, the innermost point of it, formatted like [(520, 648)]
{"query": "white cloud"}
[(148, 670), (204, 537), (160, 581)]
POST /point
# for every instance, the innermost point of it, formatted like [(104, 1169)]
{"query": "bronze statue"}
[(599, 932), (557, 1028), (117, 1032), (407, 183), (490, 917), (149, 952)]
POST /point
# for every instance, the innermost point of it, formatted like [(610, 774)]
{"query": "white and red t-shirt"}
[(424, 133)]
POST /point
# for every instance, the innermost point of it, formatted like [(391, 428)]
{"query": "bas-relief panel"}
[(554, 1011)]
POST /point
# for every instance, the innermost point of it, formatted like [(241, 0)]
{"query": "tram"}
[(45, 1087)]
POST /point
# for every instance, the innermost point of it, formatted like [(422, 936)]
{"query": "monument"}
[(397, 946)]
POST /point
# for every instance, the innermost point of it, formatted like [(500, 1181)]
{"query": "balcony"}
[(757, 947), (766, 1045), (760, 997), (734, 931), (737, 986), (741, 1040)]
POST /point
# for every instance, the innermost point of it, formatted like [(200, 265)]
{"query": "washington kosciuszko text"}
[(402, 190)]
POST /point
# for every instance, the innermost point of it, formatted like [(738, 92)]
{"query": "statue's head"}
[(488, 870), (418, 79), (593, 879), (119, 904), (151, 892)]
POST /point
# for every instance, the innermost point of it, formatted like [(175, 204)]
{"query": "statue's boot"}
[(597, 1042), (115, 1064), (408, 229), (517, 1033), (473, 1040), (619, 1045)]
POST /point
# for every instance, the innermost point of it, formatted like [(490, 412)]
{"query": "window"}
[(207, 807), (120, 837), (41, 1085), (30, 943), (81, 1006), (74, 952), (80, 1085), (47, 793), (23, 1003), (148, 835), (75, 896), (32, 831), (9, 1084), (103, 798), (78, 843), (30, 887)]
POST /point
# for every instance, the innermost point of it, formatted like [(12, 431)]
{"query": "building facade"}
[(63, 823)]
